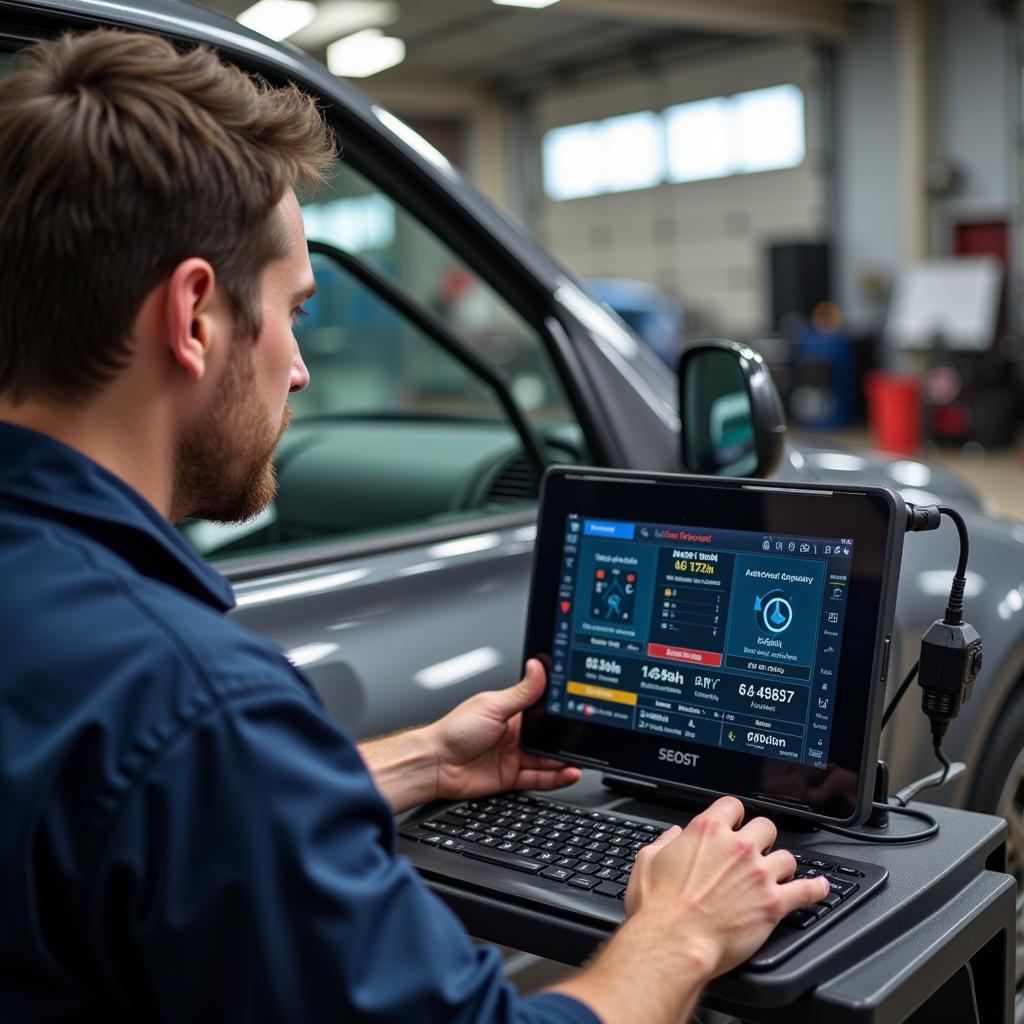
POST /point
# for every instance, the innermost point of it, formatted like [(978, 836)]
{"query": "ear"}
[(191, 320)]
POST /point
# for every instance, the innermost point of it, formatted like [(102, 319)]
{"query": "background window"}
[(614, 155), (761, 130), (700, 143)]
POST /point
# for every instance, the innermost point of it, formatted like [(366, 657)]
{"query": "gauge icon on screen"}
[(774, 612)]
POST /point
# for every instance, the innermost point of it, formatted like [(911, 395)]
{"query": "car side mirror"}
[(731, 417)]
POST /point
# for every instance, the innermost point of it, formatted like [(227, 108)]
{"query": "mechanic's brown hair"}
[(119, 158)]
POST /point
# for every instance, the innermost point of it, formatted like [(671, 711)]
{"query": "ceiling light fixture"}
[(364, 53), (537, 4), (278, 19), (336, 19)]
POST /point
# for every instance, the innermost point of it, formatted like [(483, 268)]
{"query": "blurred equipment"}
[(950, 309), (655, 316), (894, 411), (800, 276), (951, 304), (825, 372)]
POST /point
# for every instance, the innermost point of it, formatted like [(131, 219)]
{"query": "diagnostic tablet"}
[(705, 636)]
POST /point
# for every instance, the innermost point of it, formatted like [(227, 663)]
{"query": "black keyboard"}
[(578, 862)]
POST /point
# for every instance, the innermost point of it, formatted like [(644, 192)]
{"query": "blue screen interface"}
[(724, 638)]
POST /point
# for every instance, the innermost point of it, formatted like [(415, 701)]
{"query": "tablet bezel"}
[(873, 517)]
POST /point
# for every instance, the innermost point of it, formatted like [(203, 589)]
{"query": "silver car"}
[(452, 359)]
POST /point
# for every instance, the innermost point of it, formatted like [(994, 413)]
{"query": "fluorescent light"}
[(278, 19), (364, 53), (525, 3), (338, 18)]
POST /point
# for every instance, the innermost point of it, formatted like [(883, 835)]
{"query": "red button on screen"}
[(710, 658)]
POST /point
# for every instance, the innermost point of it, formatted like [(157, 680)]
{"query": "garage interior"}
[(893, 161), (833, 184)]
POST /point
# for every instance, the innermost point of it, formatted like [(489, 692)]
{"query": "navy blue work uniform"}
[(185, 835)]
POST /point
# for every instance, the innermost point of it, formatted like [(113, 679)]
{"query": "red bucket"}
[(894, 411)]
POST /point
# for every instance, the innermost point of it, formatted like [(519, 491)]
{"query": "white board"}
[(955, 299)]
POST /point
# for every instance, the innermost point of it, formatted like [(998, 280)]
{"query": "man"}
[(185, 835)]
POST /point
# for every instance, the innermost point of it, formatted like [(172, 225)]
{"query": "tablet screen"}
[(716, 635), (725, 638)]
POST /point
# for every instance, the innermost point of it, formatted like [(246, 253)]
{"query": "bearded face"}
[(224, 468)]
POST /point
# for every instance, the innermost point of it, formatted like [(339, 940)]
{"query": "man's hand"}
[(700, 901), (476, 746), (472, 751), (714, 886)]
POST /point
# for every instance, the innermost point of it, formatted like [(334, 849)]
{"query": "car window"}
[(352, 214), (394, 432)]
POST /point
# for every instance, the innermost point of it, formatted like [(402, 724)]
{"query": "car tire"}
[(999, 789)]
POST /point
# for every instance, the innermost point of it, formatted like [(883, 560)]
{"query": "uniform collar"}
[(60, 483)]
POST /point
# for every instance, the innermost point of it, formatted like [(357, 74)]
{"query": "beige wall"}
[(703, 241)]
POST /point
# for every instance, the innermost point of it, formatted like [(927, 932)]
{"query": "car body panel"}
[(394, 628)]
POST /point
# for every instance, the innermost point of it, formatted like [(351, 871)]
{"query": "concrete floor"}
[(996, 472)]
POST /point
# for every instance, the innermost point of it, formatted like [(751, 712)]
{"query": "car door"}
[(393, 564)]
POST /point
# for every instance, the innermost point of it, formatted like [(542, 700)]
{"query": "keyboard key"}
[(546, 856), (612, 889), (566, 862), (852, 872), (471, 836), (583, 882), (416, 832), (842, 887), (453, 817), (802, 872), (821, 865), (556, 874), (452, 844), (612, 862), (590, 856), (488, 841), (799, 919), (608, 873), (586, 869), (504, 858), (832, 900), (432, 840)]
